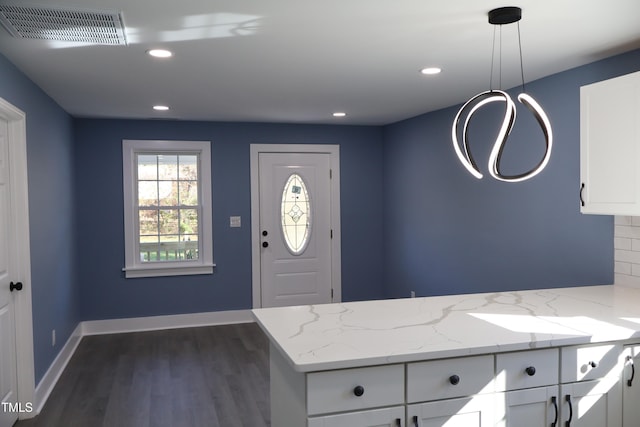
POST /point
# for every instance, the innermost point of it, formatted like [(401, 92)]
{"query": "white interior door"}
[(295, 228), (8, 367)]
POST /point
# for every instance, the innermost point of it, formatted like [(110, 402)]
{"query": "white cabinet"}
[(596, 403), (631, 387), (572, 386), (610, 146), (355, 389), (591, 392), (454, 392), (527, 369), (476, 411), (386, 417), (536, 407), (588, 362), (358, 397), (529, 380), (588, 395), (448, 378)]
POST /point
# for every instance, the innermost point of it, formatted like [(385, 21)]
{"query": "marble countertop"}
[(345, 335)]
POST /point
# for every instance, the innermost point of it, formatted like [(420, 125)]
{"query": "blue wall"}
[(51, 209), (446, 232), (104, 291)]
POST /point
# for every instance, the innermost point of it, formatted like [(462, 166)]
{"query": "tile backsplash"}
[(626, 244)]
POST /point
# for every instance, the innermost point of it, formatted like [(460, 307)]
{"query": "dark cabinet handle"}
[(568, 399), (633, 372), (265, 244), (555, 407), (398, 422), (531, 371), (454, 379), (265, 232), (15, 286), (358, 390), (415, 421), (593, 364), (581, 190)]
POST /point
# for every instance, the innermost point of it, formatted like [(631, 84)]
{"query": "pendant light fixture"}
[(500, 16)]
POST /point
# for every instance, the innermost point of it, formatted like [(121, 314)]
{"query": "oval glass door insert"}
[(295, 211)]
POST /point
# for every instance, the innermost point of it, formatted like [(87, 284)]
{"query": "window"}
[(167, 208), (295, 214)]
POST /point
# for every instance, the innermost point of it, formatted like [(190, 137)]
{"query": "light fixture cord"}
[(493, 56), (500, 75), (521, 66)]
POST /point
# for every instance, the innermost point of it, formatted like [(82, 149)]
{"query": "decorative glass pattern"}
[(295, 211), (168, 206)]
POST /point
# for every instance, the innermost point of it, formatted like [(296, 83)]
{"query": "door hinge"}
[(331, 294), (330, 173)]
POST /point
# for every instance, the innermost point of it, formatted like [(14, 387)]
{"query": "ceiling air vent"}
[(69, 25)]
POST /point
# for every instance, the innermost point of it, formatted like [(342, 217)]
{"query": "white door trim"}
[(336, 258), (17, 138)]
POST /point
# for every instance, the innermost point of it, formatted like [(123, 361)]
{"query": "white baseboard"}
[(136, 324), (50, 378)]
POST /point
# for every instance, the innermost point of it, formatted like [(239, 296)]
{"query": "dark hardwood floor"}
[(207, 376)]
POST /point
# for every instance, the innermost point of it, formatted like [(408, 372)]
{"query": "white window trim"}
[(133, 266)]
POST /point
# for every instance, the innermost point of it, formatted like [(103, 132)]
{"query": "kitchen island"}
[(459, 357)]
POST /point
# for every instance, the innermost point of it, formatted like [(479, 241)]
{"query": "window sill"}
[(167, 270)]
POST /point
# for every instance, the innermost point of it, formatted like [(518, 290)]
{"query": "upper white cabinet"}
[(610, 146)]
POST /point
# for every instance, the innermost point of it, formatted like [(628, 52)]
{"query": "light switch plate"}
[(235, 221)]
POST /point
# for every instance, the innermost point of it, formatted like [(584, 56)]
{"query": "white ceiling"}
[(297, 61)]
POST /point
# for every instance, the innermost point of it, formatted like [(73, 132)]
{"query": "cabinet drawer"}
[(443, 379), (351, 389), (526, 369), (581, 363)]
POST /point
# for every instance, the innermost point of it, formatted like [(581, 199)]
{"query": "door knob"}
[(265, 244), (531, 371), (15, 286)]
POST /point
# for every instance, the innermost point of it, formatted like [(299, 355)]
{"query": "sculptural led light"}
[(505, 15)]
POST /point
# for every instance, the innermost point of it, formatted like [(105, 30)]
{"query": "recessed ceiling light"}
[(431, 70), (160, 53), (339, 114), (160, 108)]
